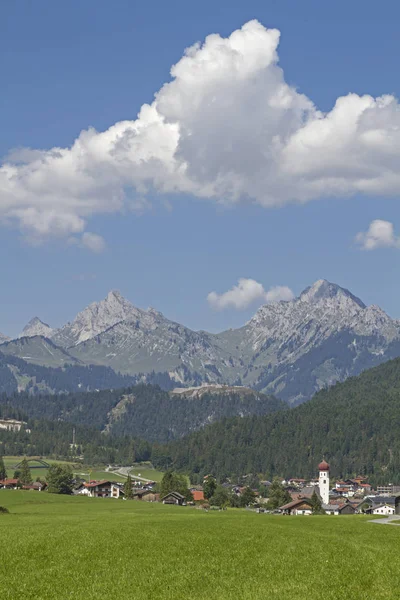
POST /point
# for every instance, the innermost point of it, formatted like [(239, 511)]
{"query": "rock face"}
[(290, 349), (3, 338), (95, 319), (36, 327)]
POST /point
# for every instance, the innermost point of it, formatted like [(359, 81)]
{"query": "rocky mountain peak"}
[(96, 318), (325, 290), (4, 338), (36, 327)]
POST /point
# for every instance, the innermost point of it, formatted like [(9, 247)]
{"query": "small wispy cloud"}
[(246, 292), (380, 234), (92, 241)]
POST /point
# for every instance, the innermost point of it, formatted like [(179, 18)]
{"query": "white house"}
[(101, 489), (383, 509)]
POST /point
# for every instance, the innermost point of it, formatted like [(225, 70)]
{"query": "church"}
[(302, 504)]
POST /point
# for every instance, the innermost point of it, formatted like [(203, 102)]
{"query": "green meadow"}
[(10, 463), (95, 472), (55, 547)]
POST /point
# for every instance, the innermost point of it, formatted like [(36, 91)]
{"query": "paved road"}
[(392, 520), (124, 471)]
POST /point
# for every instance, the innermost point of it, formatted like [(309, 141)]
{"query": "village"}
[(344, 497)]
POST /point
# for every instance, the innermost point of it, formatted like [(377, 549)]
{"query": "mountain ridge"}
[(290, 349)]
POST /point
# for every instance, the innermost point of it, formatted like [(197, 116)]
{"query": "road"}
[(125, 471), (391, 520)]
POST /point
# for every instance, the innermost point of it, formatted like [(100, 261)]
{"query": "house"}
[(365, 487), (301, 506), (101, 489), (388, 489), (383, 509), (375, 501), (146, 495), (11, 424), (9, 484), (198, 495), (331, 509), (151, 497), (347, 509), (173, 498), (36, 486)]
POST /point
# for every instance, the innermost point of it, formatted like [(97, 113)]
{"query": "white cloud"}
[(93, 242), (245, 293), (226, 127), (380, 234), (278, 293)]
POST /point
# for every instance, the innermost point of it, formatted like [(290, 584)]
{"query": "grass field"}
[(55, 547), (11, 461), (146, 471)]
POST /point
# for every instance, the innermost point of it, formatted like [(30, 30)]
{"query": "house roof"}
[(143, 492), (308, 491), (295, 503), (176, 495), (9, 481), (383, 500), (329, 506), (36, 485), (340, 507), (92, 484), (198, 495)]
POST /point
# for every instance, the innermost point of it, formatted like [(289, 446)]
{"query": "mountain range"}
[(289, 348)]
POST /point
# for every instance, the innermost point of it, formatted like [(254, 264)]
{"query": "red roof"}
[(92, 484), (197, 495), (9, 481), (323, 466)]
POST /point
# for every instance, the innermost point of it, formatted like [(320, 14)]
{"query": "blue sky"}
[(66, 67)]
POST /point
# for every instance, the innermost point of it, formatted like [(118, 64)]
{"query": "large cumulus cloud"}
[(226, 127)]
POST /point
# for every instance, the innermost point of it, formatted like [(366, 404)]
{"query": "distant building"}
[(301, 506), (383, 509), (100, 489), (173, 498), (11, 424), (388, 489)]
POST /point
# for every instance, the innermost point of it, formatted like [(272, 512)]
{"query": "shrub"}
[(4, 510)]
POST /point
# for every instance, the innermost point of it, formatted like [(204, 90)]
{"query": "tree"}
[(220, 497), (209, 486), (25, 476), (278, 495), (316, 504), (3, 472), (60, 479), (247, 497), (128, 488), (172, 482)]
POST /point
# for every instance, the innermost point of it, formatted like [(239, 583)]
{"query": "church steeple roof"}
[(323, 466)]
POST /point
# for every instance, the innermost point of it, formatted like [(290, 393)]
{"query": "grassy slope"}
[(82, 548)]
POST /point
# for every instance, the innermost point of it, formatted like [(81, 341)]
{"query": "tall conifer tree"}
[(25, 474), (3, 472)]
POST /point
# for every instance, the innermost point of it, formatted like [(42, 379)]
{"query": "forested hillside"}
[(355, 424), (143, 411), (18, 374)]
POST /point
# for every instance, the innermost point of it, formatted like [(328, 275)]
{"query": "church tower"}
[(324, 481)]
